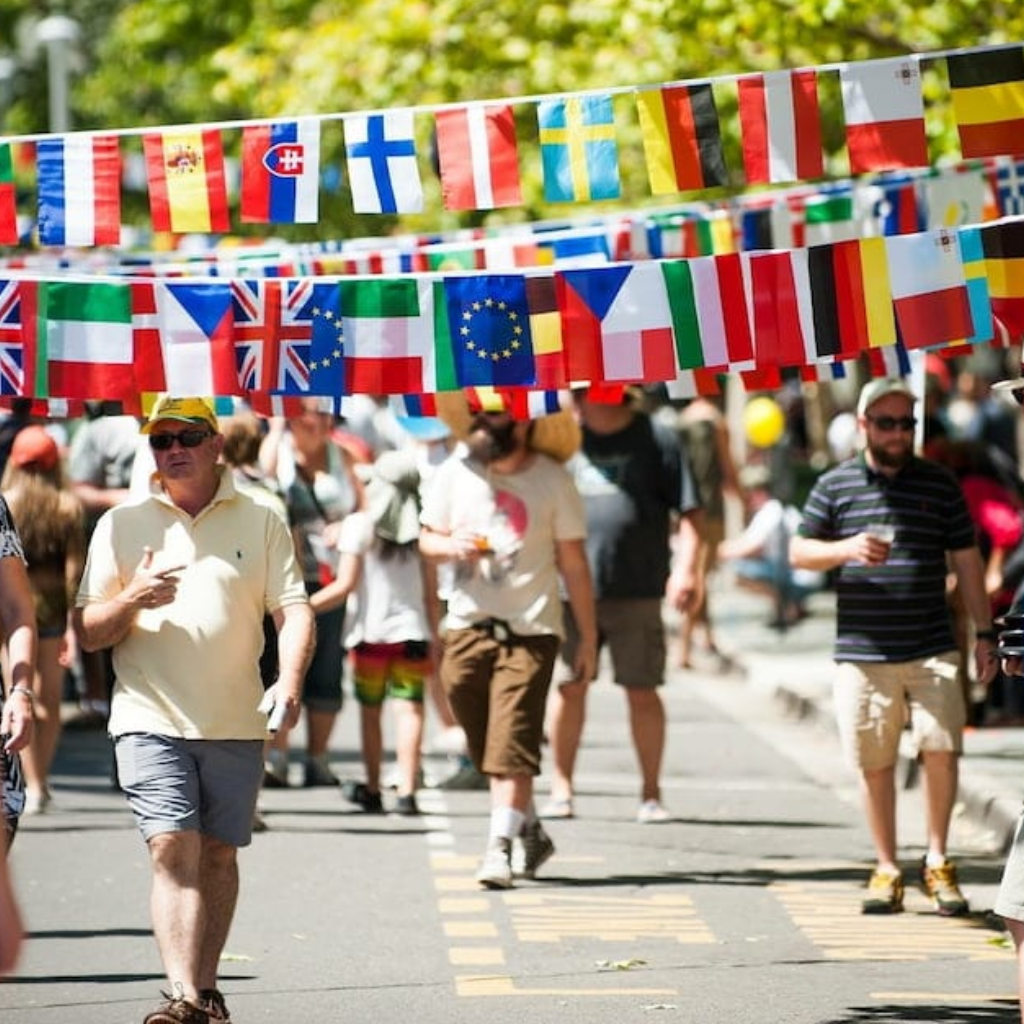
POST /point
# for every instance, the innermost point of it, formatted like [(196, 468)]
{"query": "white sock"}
[(935, 860), (506, 822)]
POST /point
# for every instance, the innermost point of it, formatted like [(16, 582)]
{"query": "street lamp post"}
[(58, 32)]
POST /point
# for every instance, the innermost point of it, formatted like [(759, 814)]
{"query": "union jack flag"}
[(16, 319), (274, 322)]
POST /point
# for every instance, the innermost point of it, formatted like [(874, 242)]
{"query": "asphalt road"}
[(744, 908)]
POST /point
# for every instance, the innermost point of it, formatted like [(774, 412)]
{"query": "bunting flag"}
[(900, 212), (519, 403), (488, 330), (782, 310), (478, 157), (884, 112), (1003, 244), (184, 337), (987, 91), (17, 337), (579, 153), (709, 311), (8, 198), (319, 369), (1009, 187), (972, 251), (281, 172), (387, 325), (187, 190), (546, 331), (79, 190), (84, 341), (415, 406), (929, 289), (780, 125), (273, 327), (890, 361), (954, 197), (829, 217), (618, 323), (682, 139), (381, 155), (769, 226), (852, 300)]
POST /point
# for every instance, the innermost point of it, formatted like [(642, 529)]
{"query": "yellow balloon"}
[(763, 421)]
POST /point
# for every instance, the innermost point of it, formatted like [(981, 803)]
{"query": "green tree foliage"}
[(148, 62)]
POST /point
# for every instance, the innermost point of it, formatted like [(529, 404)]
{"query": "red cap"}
[(34, 447)]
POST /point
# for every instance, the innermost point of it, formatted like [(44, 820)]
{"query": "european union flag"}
[(489, 329), (319, 368)]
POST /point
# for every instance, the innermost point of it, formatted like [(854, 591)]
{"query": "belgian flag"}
[(988, 100)]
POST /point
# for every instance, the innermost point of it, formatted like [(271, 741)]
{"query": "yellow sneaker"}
[(940, 885), (885, 893)]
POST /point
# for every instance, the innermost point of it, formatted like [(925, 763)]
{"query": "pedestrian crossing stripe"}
[(829, 915)]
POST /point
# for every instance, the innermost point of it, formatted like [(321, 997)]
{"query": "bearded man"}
[(890, 524), (507, 515)]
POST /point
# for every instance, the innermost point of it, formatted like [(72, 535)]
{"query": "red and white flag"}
[(884, 114), (929, 289), (781, 126), (478, 156)]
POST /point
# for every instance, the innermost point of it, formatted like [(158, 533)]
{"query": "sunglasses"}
[(904, 423), (187, 439)]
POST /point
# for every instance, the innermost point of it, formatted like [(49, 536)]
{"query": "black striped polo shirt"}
[(896, 611)]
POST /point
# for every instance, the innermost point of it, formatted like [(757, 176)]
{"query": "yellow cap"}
[(187, 410)]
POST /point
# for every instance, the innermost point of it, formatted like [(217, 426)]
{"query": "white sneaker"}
[(496, 868), (652, 813)]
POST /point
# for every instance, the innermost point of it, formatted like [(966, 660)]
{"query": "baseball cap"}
[(34, 447), (196, 411), (876, 389)]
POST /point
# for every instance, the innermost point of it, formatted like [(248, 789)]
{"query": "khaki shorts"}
[(634, 633), (498, 691), (875, 702), (1010, 898)]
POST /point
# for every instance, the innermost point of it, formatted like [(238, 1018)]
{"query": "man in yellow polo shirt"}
[(177, 584)]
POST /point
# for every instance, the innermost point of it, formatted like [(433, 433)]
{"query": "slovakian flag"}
[(852, 301), (281, 172), (382, 170), (709, 312), (478, 157), (184, 337), (17, 337), (387, 326), (79, 182), (1003, 243), (780, 124), (579, 152), (929, 290), (618, 324), (987, 90), (682, 139), (187, 189), (884, 112), (8, 203), (84, 343)]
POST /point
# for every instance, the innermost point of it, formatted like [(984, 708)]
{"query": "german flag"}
[(988, 100), (1003, 245)]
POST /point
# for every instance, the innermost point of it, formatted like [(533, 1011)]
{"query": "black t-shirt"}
[(631, 482)]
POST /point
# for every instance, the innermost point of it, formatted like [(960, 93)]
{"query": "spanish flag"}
[(187, 190), (987, 88)]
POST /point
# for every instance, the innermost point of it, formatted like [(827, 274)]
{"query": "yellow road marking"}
[(470, 929), (470, 985), (475, 956)]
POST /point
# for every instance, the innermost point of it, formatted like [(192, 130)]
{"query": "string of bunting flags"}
[(79, 175)]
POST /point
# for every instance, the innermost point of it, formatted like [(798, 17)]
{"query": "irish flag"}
[(84, 340)]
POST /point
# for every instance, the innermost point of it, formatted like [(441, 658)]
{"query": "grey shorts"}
[(633, 631), (875, 702), (1010, 898), (179, 785)]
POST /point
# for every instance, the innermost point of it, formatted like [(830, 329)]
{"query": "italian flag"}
[(84, 340)]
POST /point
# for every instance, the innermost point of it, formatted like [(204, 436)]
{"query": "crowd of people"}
[(467, 570)]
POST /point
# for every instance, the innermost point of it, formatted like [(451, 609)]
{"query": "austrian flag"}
[(280, 172), (479, 161)]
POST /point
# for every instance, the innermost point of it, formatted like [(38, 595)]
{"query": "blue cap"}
[(424, 428)]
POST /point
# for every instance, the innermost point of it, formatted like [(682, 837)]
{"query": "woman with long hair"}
[(50, 523)]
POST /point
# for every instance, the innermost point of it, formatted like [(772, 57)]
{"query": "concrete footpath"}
[(795, 667)]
